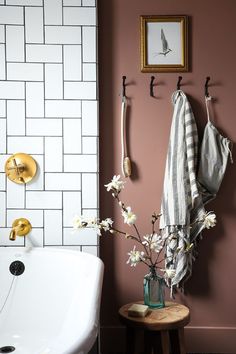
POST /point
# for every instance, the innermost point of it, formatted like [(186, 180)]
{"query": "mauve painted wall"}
[(210, 293)]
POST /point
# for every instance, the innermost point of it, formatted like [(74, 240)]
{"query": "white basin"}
[(53, 307)]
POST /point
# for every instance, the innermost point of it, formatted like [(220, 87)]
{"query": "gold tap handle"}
[(19, 169)]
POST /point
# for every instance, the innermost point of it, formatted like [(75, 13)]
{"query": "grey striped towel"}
[(180, 193)]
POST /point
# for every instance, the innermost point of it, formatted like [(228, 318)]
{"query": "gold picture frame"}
[(164, 46)]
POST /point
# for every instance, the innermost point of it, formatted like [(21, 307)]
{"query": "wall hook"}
[(151, 86), (124, 86), (178, 83), (206, 86)]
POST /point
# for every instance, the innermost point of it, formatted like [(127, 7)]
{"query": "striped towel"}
[(180, 192)]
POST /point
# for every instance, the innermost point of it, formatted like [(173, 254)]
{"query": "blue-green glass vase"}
[(154, 289)]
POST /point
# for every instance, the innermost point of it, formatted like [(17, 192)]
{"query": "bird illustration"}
[(165, 45)]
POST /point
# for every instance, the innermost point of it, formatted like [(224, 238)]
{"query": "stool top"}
[(172, 316)]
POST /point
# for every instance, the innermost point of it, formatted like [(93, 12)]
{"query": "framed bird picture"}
[(164, 46)]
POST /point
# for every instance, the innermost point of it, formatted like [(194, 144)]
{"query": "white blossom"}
[(106, 224), (97, 228), (115, 184), (209, 220), (169, 273), (129, 216), (79, 222), (92, 222), (155, 242), (135, 257)]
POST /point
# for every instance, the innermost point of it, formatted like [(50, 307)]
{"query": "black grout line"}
[(5, 47), (43, 22), (63, 72)]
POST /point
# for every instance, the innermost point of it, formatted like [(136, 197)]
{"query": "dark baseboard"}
[(199, 340)]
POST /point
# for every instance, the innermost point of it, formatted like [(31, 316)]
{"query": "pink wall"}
[(211, 291)]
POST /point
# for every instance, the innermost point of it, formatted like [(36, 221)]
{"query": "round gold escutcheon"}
[(20, 168), (22, 226)]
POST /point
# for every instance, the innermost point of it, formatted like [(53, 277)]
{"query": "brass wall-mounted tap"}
[(20, 227), (20, 168)]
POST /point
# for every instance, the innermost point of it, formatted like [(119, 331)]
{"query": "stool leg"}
[(165, 342), (156, 343), (148, 342), (130, 340), (177, 341)]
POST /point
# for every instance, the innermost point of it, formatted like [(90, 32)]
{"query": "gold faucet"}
[(20, 227)]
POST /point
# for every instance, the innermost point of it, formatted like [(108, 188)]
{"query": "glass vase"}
[(154, 289)]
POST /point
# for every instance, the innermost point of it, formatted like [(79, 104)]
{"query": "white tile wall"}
[(72, 2), (2, 108), (44, 126), (15, 43), (25, 71), (80, 90), (62, 181), (2, 62), (35, 216), (5, 238), (2, 209), (72, 136), (53, 12), (89, 190), (89, 2), (91, 250), (3, 138), (48, 108), (25, 2), (15, 195), (65, 108), (38, 182), (43, 53), (34, 25), (89, 72), (29, 145), (84, 237), (3, 159), (2, 181), (71, 207), (12, 90), (10, 15), (53, 81), (35, 238), (63, 35), (43, 200), (53, 154), (72, 62), (2, 34), (80, 163), (34, 99), (15, 117), (90, 213), (89, 118), (79, 16), (53, 227), (89, 144), (89, 47)]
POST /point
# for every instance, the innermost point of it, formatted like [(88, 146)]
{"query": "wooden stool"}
[(163, 328)]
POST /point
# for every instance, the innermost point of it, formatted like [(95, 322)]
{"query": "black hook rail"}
[(152, 86), (206, 86), (178, 83), (124, 86)]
